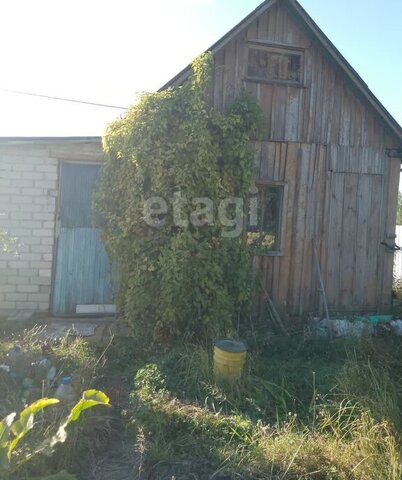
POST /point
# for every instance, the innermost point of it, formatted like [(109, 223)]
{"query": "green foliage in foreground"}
[(304, 410), (12, 431), (179, 279)]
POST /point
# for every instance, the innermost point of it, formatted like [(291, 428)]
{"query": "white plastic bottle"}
[(65, 391)]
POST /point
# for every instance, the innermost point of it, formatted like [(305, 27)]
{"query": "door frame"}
[(61, 162)]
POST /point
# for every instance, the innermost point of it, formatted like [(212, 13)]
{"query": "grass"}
[(75, 358), (303, 410)]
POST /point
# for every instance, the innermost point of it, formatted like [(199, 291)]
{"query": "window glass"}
[(272, 65), (264, 225)]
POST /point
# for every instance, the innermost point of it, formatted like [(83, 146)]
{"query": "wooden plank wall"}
[(328, 145), (290, 276), (326, 109)]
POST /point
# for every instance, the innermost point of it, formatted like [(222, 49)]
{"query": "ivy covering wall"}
[(185, 274)]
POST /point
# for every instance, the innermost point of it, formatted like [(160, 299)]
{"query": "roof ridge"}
[(325, 42)]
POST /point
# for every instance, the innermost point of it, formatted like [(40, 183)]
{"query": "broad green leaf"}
[(90, 398), (26, 421)]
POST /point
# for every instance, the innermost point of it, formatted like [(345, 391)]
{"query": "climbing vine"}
[(184, 266)]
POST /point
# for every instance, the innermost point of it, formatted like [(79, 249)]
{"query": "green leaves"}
[(179, 278), (26, 421), (13, 431), (90, 398)]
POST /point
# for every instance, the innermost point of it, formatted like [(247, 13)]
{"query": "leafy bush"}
[(177, 278)]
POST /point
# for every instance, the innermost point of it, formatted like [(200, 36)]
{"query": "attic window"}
[(268, 64)]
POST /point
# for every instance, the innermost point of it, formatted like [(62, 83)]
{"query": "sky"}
[(107, 52)]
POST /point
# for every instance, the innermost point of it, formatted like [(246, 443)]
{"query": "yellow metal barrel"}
[(229, 358)]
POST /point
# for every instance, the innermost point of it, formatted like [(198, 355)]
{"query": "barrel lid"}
[(229, 345)]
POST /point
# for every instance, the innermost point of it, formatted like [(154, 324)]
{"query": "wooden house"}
[(327, 170)]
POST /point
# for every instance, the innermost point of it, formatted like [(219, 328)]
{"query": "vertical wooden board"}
[(251, 33), (302, 100), (389, 233), (268, 269), (319, 101), (323, 227), (238, 66), (332, 157), (229, 77), (242, 60), (289, 30), (277, 167), (292, 114), (267, 161), (219, 79), (352, 128), (281, 25), (362, 260), (319, 208), (292, 162), (262, 33), (271, 16), (308, 94), (283, 154), (311, 67), (295, 33), (373, 249), (348, 246), (279, 112), (311, 205), (363, 135), (334, 238), (266, 103), (392, 200), (330, 92), (299, 227), (276, 273), (337, 113), (344, 132)]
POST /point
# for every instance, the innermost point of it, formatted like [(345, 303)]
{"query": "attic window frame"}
[(276, 49)]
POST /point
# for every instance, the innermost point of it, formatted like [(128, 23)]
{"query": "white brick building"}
[(30, 182)]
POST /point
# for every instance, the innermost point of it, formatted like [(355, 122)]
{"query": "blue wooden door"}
[(82, 274)]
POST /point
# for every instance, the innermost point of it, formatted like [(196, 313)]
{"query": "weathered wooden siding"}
[(327, 144), (326, 109), (290, 276)]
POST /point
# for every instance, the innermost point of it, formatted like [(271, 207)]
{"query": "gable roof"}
[(322, 39)]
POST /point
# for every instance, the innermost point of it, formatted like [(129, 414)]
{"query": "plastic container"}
[(65, 391), (229, 358)]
